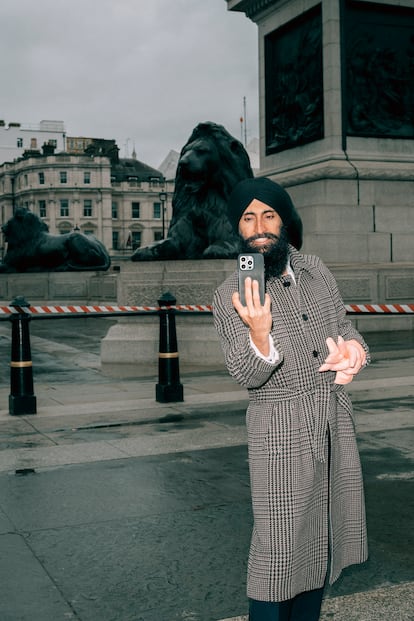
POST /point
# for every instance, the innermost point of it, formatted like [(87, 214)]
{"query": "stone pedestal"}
[(40, 288), (336, 124), (132, 344)]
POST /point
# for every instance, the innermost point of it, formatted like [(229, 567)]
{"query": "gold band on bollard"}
[(171, 355), (23, 363)]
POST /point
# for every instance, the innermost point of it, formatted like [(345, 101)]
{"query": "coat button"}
[(315, 353), (286, 283), (305, 317)]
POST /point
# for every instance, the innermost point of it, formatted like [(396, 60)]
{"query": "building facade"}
[(124, 203), (16, 138)]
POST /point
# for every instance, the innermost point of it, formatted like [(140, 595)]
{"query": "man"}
[(294, 353)]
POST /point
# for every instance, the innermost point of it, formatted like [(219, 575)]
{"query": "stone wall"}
[(60, 287), (131, 345)]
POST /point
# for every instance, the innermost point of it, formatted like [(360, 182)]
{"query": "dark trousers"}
[(304, 607)]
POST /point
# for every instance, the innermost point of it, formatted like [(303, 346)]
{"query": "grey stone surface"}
[(114, 507)]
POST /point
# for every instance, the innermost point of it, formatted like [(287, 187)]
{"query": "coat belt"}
[(324, 402)]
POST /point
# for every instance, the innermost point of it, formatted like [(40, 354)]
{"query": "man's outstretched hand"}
[(345, 357)]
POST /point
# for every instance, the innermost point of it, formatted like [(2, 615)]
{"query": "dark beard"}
[(275, 255)]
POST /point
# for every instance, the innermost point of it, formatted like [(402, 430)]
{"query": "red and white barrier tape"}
[(377, 309), (380, 309), (82, 309)]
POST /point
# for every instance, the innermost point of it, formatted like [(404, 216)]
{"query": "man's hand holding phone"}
[(254, 314)]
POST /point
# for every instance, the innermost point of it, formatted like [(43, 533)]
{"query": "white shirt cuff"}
[(273, 356)]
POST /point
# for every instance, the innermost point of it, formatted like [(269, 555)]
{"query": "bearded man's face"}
[(261, 230)]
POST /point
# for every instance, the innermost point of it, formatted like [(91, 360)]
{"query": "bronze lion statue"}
[(31, 248), (210, 164)]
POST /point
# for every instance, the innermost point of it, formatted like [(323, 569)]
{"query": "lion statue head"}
[(31, 248), (211, 163)]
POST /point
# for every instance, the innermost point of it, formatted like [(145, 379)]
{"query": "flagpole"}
[(245, 124)]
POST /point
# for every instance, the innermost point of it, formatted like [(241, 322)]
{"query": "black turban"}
[(271, 194)]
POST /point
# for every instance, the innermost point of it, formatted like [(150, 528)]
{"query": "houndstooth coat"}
[(305, 474)]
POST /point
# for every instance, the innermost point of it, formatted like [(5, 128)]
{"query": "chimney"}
[(48, 148)]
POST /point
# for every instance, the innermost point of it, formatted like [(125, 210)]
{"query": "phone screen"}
[(251, 264)]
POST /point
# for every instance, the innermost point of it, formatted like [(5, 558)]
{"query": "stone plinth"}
[(60, 287), (191, 282), (131, 346), (336, 128)]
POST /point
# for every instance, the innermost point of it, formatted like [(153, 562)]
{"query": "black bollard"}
[(169, 387), (21, 398)]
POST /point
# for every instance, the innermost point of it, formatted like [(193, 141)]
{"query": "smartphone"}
[(251, 265)]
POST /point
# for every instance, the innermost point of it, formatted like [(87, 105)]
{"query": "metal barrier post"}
[(21, 399), (169, 387)]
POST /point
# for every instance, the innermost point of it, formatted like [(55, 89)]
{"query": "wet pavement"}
[(114, 507)]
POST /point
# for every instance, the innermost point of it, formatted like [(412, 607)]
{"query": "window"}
[(86, 177), (115, 240), (156, 211), (158, 236), (114, 210), (136, 239), (20, 142), (42, 209), (64, 208), (41, 178), (25, 179), (87, 208), (63, 176), (135, 210), (154, 182)]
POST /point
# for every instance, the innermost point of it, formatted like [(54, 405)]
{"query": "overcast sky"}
[(143, 72)]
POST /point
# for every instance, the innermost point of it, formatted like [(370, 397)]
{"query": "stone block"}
[(398, 287), (358, 289), (73, 288), (198, 342), (395, 219), (379, 248), (191, 282), (403, 247), (33, 287), (344, 219), (389, 193), (333, 194), (355, 248), (384, 323), (134, 343), (103, 288)]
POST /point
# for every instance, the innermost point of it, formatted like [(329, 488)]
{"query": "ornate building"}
[(124, 202)]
